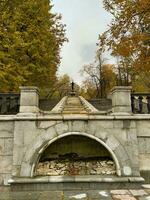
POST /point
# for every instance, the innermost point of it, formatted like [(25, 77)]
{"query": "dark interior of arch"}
[(75, 155)]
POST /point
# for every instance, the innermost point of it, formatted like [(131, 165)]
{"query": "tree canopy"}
[(128, 37), (100, 77), (31, 37)]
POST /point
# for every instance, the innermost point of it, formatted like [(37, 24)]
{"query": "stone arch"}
[(35, 149)]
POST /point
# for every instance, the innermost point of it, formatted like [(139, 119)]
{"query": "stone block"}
[(6, 129), (129, 124), (102, 134), (5, 164), (141, 144), (29, 100), (138, 192), (25, 170), (120, 134), (121, 154), (1, 179), (49, 134), (105, 124), (61, 128), (78, 126), (18, 154), (121, 100), (100, 128), (112, 142), (19, 130), (132, 150), (123, 197), (1, 146), (16, 170), (30, 132), (120, 192), (147, 145), (144, 162), (118, 124), (8, 150), (132, 135), (143, 127), (46, 124)]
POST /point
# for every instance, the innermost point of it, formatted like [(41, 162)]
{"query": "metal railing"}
[(140, 103), (9, 103)]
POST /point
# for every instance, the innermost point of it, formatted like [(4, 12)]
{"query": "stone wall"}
[(118, 136), (6, 150), (128, 137), (143, 134)]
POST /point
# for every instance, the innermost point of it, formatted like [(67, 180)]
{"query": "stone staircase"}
[(73, 105)]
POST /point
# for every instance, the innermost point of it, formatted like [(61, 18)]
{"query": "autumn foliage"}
[(31, 37), (128, 38)]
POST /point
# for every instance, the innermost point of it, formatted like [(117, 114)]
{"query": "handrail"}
[(140, 103), (9, 103)]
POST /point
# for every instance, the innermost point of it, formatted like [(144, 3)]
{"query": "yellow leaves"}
[(30, 41)]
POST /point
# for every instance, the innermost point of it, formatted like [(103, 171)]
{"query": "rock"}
[(56, 167)]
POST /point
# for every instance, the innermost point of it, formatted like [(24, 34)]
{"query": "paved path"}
[(143, 194)]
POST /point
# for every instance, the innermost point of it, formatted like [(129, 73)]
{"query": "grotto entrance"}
[(75, 155)]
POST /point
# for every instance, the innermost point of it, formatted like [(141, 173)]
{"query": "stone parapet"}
[(121, 100), (29, 100)]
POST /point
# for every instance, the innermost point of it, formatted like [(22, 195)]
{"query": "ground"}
[(142, 194)]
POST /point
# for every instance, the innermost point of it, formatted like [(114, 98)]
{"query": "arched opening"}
[(75, 155)]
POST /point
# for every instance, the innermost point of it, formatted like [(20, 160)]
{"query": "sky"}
[(85, 20)]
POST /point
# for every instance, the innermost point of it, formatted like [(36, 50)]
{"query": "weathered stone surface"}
[(138, 192), (1, 146), (61, 128), (25, 170), (78, 126), (121, 101), (144, 161), (29, 100), (112, 142), (129, 124), (8, 144), (143, 127), (6, 129), (123, 197), (120, 192), (45, 124), (1, 180), (27, 136), (16, 170), (5, 164)]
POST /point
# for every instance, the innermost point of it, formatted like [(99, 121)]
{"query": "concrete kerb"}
[(37, 148)]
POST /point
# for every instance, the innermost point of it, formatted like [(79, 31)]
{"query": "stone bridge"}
[(74, 126)]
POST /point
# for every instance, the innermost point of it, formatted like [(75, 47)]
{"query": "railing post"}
[(148, 103), (140, 104), (29, 100), (133, 103), (121, 100)]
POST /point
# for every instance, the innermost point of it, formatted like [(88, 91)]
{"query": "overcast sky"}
[(85, 20)]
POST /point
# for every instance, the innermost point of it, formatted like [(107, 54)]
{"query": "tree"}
[(128, 37), (61, 87), (30, 41), (99, 75)]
